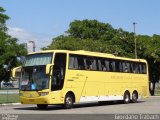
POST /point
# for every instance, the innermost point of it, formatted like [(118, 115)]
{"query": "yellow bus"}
[(68, 77)]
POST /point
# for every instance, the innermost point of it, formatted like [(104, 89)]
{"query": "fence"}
[(9, 92), (9, 96)]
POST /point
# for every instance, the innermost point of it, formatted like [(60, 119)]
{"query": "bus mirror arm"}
[(48, 68)]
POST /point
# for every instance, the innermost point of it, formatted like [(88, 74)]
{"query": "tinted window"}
[(73, 62), (144, 68), (118, 66), (91, 63), (82, 62), (111, 65), (76, 62)]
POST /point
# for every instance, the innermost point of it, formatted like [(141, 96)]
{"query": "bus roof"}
[(89, 53)]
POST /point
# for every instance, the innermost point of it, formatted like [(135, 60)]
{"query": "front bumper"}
[(36, 100)]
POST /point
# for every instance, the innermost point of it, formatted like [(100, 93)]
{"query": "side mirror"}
[(48, 68), (16, 72)]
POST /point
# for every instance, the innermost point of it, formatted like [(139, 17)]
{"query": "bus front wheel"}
[(68, 103), (42, 106)]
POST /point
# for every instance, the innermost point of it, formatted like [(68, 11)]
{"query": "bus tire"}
[(42, 106), (68, 102), (126, 97), (134, 97)]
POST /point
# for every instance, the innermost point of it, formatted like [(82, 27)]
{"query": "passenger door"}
[(59, 69)]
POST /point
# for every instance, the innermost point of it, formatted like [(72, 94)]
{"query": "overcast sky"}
[(41, 20)]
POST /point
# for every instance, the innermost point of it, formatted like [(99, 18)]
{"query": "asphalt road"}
[(148, 106)]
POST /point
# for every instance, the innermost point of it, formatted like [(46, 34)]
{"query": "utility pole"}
[(135, 41)]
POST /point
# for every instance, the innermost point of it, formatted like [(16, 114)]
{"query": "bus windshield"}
[(33, 75), (34, 78), (38, 59)]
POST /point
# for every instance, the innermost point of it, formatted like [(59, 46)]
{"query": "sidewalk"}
[(9, 91), (7, 104)]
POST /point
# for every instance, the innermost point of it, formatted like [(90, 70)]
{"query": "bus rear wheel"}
[(42, 106), (126, 98), (68, 102), (134, 97)]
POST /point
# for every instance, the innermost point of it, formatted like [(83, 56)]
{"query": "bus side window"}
[(126, 66), (137, 68), (118, 66), (73, 63), (81, 62), (107, 65), (132, 70), (104, 67), (134, 66), (91, 63), (99, 65), (112, 66), (140, 68), (94, 64), (88, 63), (144, 68)]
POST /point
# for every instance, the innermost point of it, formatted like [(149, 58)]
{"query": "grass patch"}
[(11, 98)]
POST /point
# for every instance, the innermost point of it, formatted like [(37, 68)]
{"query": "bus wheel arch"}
[(134, 96), (69, 100), (126, 97)]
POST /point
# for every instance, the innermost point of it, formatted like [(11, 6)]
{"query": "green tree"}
[(91, 29), (151, 52), (9, 49), (72, 43), (95, 36), (92, 35)]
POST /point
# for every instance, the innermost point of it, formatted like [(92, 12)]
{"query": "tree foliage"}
[(9, 48), (93, 35)]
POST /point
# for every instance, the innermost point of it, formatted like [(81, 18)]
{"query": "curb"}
[(10, 104)]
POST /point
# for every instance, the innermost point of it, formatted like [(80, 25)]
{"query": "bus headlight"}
[(43, 93)]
